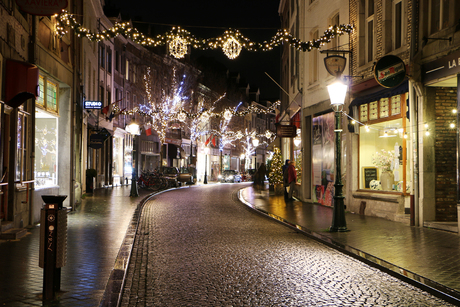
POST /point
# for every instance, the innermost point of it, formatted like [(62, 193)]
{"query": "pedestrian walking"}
[(285, 178), (262, 171), (292, 179)]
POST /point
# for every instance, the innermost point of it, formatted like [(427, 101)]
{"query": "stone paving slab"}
[(94, 235), (429, 258)]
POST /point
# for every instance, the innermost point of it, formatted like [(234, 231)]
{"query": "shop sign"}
[(335, 64), (286, 131), (390, 71), (96, 141), (443, 67), (42, 7), (177, 142), (93, 105)]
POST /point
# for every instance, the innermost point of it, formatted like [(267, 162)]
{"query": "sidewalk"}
[(427, 258), (95, 232)]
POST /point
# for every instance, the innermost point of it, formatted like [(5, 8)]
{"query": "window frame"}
[(369, 34), (394, 24), (42, 102)]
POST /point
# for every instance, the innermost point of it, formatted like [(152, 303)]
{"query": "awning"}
[(387, 92), (21, 82)]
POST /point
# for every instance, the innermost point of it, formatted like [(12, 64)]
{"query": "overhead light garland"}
[(204, 113), (178, 40)]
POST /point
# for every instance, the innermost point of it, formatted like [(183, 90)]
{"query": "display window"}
[(383, 137), (298, 155), (323, 159), (22, 149), (46, 140)]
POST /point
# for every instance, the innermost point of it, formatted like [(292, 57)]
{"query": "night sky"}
[(255, 19)]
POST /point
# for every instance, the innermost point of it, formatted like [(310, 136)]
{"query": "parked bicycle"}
[(152, 181)]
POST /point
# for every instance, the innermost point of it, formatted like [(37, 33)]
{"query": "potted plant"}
[(90, 175)]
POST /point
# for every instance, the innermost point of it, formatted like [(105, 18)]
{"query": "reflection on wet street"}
[(95, 232)]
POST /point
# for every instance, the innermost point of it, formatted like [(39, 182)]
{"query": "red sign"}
[(42, 7), (177, 142)]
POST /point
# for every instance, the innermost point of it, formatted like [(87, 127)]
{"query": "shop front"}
[(381, 154), (439, 93)]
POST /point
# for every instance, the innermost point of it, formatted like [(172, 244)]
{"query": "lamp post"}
[(241, 160), (206, 152), (255, 143), (133, 129), (337, 92)]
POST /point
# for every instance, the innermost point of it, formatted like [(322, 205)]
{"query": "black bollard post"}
[(53, 244)]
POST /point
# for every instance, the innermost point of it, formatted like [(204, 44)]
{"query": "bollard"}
[(134, 192), (53, 243)]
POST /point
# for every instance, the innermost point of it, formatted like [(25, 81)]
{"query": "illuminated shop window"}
[(22, 148), (383, 158), (298, 155), (41, 94), (48, 95), (51, 96), (46, 138)]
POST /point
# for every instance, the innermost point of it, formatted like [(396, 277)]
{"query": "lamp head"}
[(133, 128), (337, 92), (255, 142)]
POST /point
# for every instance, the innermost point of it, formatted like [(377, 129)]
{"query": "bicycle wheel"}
[(154, 183), (141, 183)]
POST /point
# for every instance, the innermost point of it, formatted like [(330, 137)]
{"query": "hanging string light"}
[(178, 40)]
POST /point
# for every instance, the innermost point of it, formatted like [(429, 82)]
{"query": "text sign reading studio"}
[(91, 105)]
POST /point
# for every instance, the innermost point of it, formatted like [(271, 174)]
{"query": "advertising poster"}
[(323, 159)]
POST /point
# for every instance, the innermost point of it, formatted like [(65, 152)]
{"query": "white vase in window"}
[(387, 180)]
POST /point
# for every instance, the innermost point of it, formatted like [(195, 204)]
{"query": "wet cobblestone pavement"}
[(95, 232), (200, 247)]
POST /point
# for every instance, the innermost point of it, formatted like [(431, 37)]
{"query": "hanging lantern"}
[(178, 47), (232, 48)]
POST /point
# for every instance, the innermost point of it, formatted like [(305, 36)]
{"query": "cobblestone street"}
[(199, 247)]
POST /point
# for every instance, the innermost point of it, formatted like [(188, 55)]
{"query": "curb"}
[(448, 294), (114, 287)]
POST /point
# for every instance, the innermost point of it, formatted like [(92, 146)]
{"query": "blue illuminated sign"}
[(93, 105)]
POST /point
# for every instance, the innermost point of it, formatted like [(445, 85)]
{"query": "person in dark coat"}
[(285, 175), (292, 178), (262, 171)]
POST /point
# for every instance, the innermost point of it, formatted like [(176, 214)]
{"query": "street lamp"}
[(337, 92), (255, 143), (206, 152), (241, 160), (133, 129)]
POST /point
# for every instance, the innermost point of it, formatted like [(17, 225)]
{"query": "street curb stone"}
[(116, 280), (448, 294)]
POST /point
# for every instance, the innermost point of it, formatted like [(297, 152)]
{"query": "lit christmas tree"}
[(276, 173)]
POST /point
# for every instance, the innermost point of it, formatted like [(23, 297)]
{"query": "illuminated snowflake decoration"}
[(268, 134), (178, 47), (182, 116), (232, 48), (205, 117), (239, 135), (228, 115)]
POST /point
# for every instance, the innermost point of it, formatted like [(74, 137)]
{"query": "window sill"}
[(387, 196), (46, 187), (364, 67)]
